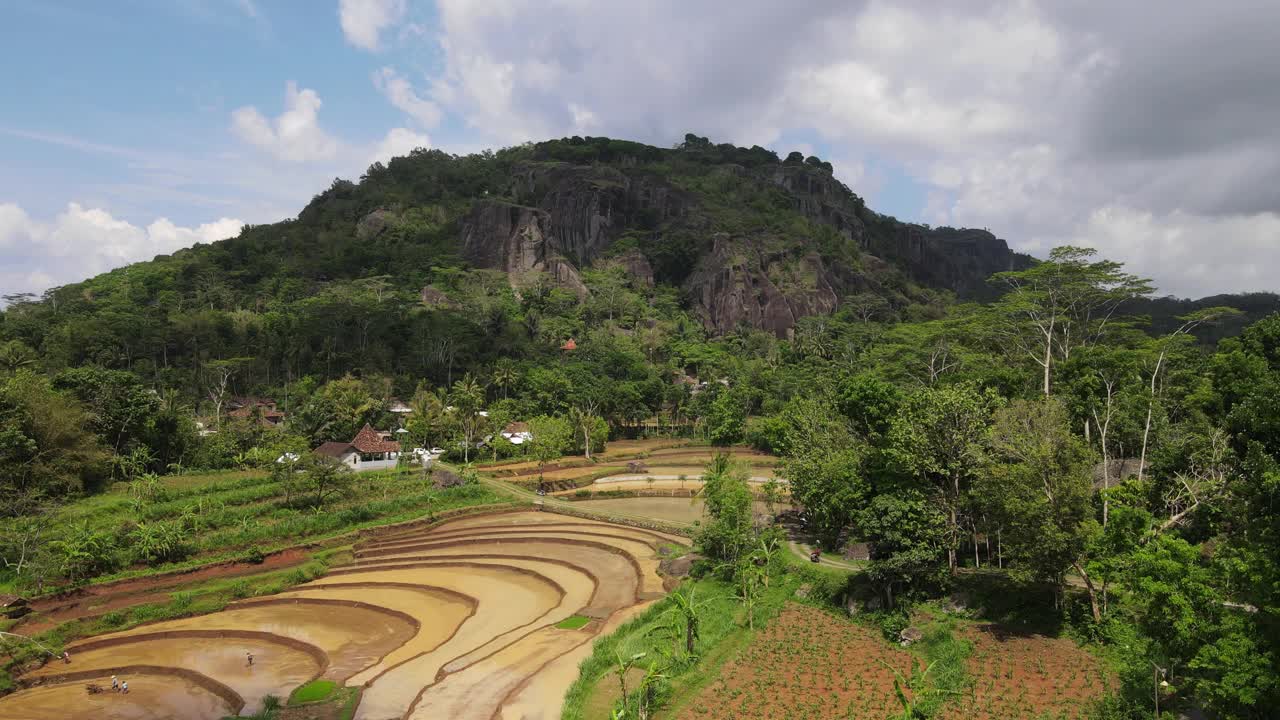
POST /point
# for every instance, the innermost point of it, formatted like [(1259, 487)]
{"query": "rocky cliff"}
[(758, 247)]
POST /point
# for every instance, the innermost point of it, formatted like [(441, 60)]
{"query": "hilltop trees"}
[(1068, 301)]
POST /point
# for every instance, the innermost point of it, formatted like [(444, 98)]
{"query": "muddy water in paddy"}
[(617, 577), (507, 600), (277, 668), (542, 697), (353, 637), (462, 626), (478, 690), (672, 509), (439, 615), (643, 552), (151, 697)]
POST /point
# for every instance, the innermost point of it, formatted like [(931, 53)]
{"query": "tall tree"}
[(466, 397), (936, 439), (1065, 302), (1039, 481)]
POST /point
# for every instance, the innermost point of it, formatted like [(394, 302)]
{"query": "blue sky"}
[(135, 127)]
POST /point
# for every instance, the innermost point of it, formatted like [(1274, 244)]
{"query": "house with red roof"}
[(369, 450), (245, 408)]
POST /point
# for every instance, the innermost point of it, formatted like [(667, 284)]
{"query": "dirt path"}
[(95, 600)]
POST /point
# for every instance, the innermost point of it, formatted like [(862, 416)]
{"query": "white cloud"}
[(81, 242), (398, 142), (1048, 123), (402, 95), (295, 135), (1190, 255), (364, 20)]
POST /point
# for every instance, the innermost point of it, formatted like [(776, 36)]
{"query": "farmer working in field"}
[(248, 656), (115, 684)]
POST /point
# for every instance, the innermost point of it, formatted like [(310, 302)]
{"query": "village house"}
[(247, 407), (517, 433), (369, 450)]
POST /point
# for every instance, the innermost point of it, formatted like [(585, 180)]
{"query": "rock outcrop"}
[(558, 217), (738, 284), (374, 224), (959, 260), (516, 240)]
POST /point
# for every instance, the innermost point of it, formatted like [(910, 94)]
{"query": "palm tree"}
[(468, 400), (504, 376)]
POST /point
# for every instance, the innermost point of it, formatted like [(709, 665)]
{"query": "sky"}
[(1150, 131)]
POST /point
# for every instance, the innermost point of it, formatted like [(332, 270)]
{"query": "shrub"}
[(241, 589), (254, 556), (160, 542)]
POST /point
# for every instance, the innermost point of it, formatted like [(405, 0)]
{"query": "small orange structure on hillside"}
[(569, 345)]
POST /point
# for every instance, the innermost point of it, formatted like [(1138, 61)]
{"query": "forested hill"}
[(749, 239), (434, 262)]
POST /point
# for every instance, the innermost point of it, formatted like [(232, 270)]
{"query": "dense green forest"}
[(1050, 418)]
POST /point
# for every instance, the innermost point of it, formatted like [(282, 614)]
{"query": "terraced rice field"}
[(455, 621), (679, 510)]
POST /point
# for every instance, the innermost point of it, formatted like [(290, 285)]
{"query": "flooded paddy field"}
[(457, 620)]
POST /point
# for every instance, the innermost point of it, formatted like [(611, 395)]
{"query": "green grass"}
[(945, 655), (721, 629), (230, 532), (573, 623), (314, 691), (353, 701)]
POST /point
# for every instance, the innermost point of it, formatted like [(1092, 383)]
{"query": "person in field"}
[(248, 656)]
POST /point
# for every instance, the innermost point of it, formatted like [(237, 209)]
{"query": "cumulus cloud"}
[(364, 20), (1049, 123), (398, 142), (81, 241), (295, 135), (400, 92)]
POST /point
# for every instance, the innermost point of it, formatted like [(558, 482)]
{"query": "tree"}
[(936, 439), (24, 541), (684, 615), (1039, 481), (428, 421), (46, 450), (324, 478), (909, 541), (504, 376), (585, 421), (467, 399), (1190, 323), (121, 409), (552, 437), (219, 382), (726, 418), (825, 468), (1065, 302), (729, 531), (869, 403)]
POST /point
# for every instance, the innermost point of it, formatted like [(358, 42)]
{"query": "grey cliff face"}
[(740, 285), (559, 217)]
